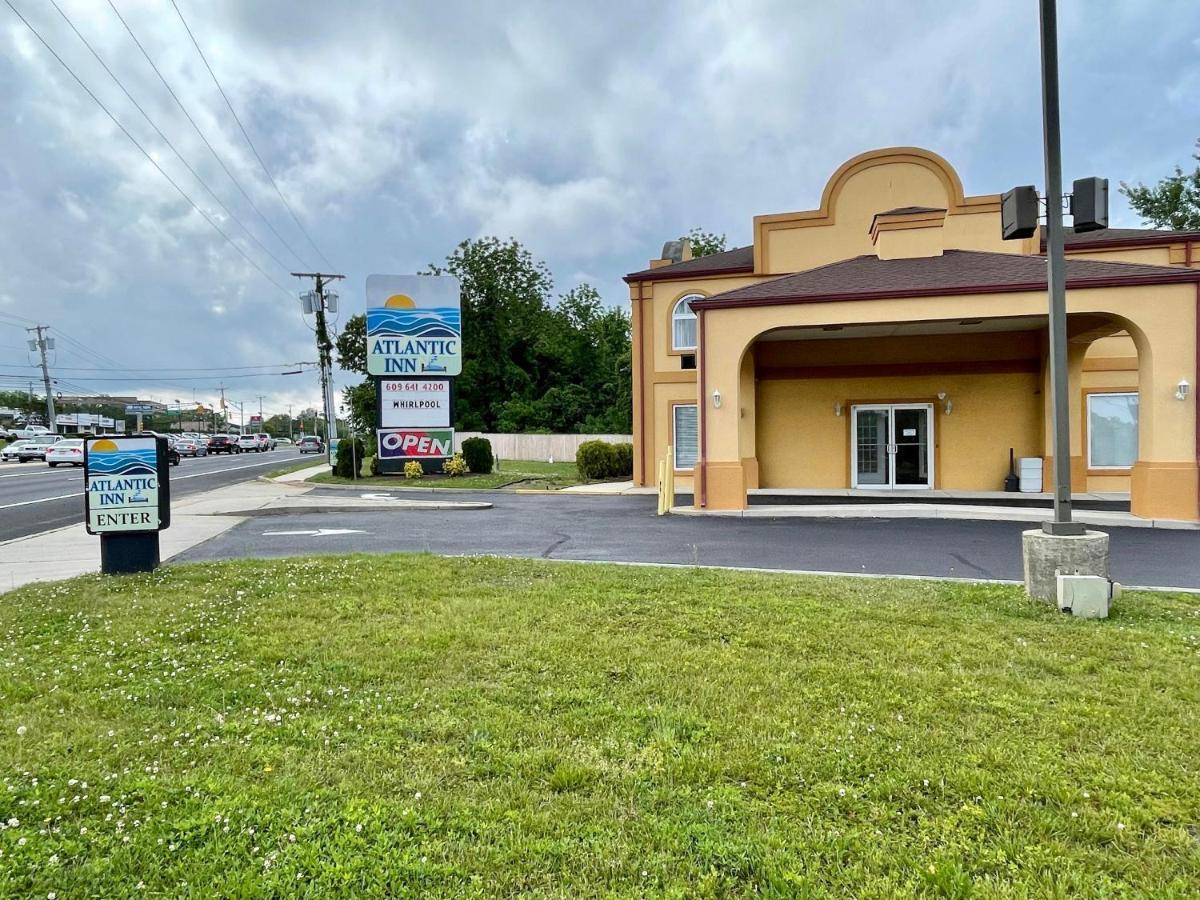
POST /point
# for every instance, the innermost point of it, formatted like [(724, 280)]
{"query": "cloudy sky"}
[(590, 132)]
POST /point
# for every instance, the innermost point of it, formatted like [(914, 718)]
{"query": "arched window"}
[(683, 323)]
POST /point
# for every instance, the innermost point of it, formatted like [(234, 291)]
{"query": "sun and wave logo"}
[(401, 317), (105, 457)]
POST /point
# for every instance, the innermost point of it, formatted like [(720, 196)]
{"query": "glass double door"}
[(892, 446)]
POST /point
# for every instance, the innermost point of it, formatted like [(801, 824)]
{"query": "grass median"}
[(412, 725), (509, 473)]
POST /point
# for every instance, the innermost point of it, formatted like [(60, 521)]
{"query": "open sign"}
[(414, 443)]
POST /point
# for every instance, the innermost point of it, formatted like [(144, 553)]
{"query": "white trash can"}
[(1029, 471)]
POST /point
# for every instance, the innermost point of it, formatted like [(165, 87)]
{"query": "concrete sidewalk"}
[(1098, 518), (608, 489), (68, 552)]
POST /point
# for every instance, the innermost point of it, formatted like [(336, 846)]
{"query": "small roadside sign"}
[(127, 487)]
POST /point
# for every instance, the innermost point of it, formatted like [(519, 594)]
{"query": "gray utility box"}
[(1086, 596)]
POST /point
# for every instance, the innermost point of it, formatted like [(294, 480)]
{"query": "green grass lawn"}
[(411, 725), (511, 473), (304, 462)]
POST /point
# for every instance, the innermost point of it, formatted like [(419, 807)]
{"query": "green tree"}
[(351, 345), (504, 309), (705, 243), (361, 413), (1172, 203)]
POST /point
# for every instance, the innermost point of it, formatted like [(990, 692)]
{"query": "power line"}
[(88, 351), (202, 136), (166, 140), (144, 152), (151, 370), (246, 135)]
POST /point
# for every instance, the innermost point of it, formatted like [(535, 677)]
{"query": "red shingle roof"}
[(740, 259), (954, 272), (1123, 236)]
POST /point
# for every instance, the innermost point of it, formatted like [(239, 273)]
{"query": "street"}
[(36, 498), (562, 526)]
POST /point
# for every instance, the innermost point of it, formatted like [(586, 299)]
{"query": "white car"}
[(35, 448), (66, 453), (249, 442), (30, 431), (283, 442), (10, 452)]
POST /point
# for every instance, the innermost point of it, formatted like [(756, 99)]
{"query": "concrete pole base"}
[(1048, 555)]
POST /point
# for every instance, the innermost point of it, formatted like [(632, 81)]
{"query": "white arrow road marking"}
[(319, 532), (377, 497)]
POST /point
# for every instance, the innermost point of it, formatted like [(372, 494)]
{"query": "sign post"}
[(127, 500)]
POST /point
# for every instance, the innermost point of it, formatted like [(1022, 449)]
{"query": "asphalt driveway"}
[(572, 527)]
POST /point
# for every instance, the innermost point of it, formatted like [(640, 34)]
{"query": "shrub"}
[(600, 459), (624, 459), (595, 459), (413, 469), (455, 466), (373, 465), (350, 453), (477, 454)]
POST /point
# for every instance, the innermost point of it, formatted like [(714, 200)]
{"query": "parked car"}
[(36, 448), (189, 446), (10, 452), (247, 443), (267, 442), (66, 453), (311, 444), (222, 443), (284, 442)]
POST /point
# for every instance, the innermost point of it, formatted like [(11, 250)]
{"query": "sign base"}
[(128, 552)]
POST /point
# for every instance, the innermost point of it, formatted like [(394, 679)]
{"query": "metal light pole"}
[(1056, 277)]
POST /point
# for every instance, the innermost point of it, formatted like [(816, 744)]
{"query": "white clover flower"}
[(21, 729)]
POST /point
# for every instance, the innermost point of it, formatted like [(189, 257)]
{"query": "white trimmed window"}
[(1112, 430), (685, 435), (683, 323)]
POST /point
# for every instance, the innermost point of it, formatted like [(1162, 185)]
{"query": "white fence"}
[(538, 446)]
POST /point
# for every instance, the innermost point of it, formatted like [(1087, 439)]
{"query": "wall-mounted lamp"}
[(716, 399), (947, 405), (1182, 389), (837, 408)]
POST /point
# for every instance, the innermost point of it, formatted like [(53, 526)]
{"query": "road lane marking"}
[(42, 500)]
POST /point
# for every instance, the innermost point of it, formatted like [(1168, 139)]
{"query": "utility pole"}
[(289, 421), (318, 301), (41, 344), (1056, 265)]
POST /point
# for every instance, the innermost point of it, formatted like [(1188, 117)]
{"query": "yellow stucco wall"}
[(802, 442)]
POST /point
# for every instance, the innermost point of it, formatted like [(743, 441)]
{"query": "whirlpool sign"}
[(414, 325)]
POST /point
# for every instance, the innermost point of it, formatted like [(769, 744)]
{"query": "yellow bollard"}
[(669, 480), (661, 487)]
